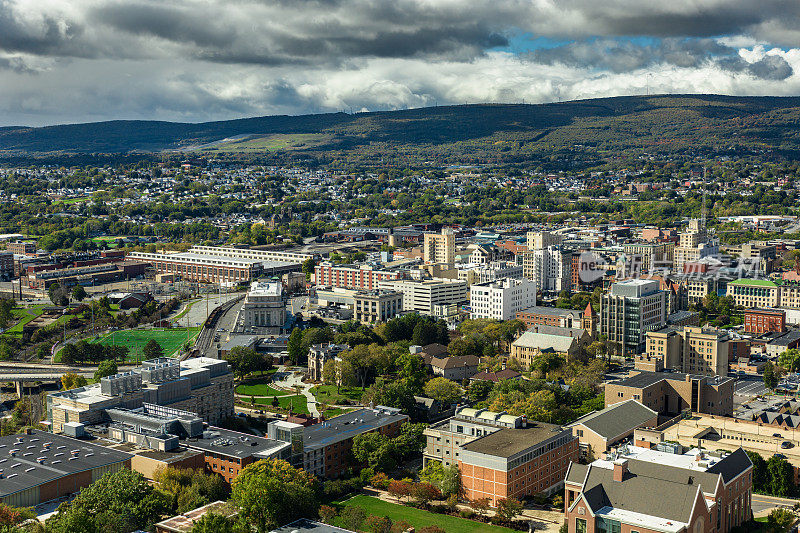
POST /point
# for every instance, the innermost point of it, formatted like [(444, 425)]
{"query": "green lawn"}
[(299, 404), (170, 340), (24, 315), (260, 389), (420, 518), (327, 394), (330, 413), (275, 142)]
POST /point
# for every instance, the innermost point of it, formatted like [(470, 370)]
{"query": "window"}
[(580, 525)]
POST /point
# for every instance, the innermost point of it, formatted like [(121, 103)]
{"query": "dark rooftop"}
[(349, 425), (232, 443), (41, 457), (508, 442), (646, 379), (618, 418)]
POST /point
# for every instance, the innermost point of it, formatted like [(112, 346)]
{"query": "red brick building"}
[(550, 316), (517, 463), (353, 276), (647, 491), (760, 321)]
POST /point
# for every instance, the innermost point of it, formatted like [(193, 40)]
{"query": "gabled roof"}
[(732, 465), (617, 419), (455, 361), (544, 341), (500, 375)]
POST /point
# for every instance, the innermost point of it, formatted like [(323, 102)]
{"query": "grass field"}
[(135, 339), (260, 389), (418, 517), (23, 315), (273, 143), (327, 394), (330, 413), (299, 404)]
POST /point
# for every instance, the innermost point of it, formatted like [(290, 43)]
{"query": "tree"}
[(375, 450), (424, 493), (6, 353), (481, 505), (425, 332), (212, 522), (509, 508), (779, 520), (272, 492), (58, 294), (781, 476), (71, 380), (11, 516), (790, 360), (117, 502), (294, 346), (450, 484), (353, 516), (442, 389), (105, 368), (78, 293), (479, 390), (327, 513), (363, 360), (760, 477), (308, 267), (770, 376), (400, 489), (379, 524), (69, 354), (243, 361), (152, 350)]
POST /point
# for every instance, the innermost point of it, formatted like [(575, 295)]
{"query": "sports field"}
[(170, 339)]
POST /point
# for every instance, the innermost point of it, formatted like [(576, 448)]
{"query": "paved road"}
[(296, 304), (762, 502)]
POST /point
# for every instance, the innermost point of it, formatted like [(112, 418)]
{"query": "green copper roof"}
[(755, 282)]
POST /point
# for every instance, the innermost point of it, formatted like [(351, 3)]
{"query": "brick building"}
[(326, 274), (648, 491), (760, 321), (22, 248), (671, 393), (517, 463)]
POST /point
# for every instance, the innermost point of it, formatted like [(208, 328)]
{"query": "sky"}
[(64, 61)]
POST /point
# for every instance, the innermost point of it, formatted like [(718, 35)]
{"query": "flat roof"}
[(233, 444), (304, 525), (759, 282), (645, 378), (24, 470), (349, 425), (183, 523), (508, 442)]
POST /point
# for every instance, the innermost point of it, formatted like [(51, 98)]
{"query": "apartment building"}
[(550, 268), (628, 311), (760, 321), (440, 247), (379, 305), (423, 296), (538, 240), (366, 276), (688, 349), (201, 385), (671, 393), (754, 293), (650, 491), (645, 257), (501, 299)]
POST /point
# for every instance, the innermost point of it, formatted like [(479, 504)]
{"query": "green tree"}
[(308, 267), (6, 353), (444, 390), (378, 524), (779, 520), (212, 522), (152, 350), (294, 346), (760, 477), (78, 293), (790, 360), (244, 361), (781, 476), (105, 368), (479, 390), (770, 376), (353, 516), (272, 492), (375, 450), (71, 380), (116, 503)]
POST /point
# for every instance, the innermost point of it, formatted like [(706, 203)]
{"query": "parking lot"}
[(747, 387)]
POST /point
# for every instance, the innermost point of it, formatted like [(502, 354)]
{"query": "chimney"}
[(620, 467)]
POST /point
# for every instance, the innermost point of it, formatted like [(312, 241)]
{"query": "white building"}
[(422, 295), (501, 299), (550, 268), (264, 306)]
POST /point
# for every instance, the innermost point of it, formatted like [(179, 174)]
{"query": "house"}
[(430, 410), (600, 430), (649, 491), (455, 368)]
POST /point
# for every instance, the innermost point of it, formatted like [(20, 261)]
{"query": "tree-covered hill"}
[(483, 133)]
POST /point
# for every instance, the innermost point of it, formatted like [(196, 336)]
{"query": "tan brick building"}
[(689, 349)]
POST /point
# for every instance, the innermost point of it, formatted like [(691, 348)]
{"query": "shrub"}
[(379, 524), (366, 475), (380, 481), (467, 513), (353, 517), (327, 513)]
